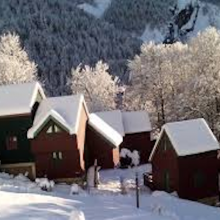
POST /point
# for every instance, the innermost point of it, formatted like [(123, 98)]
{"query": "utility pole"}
[(95, 174)]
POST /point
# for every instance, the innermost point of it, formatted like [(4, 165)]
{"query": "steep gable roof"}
[(114, 119), (65, 110), (17, 99), (103, 128), (136, 122), (126, 122), (189, 137)]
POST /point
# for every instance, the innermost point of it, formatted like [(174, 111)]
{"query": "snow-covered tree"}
[(15, 65), (178, 81), (154, 77), (97, 85), (201, 96)]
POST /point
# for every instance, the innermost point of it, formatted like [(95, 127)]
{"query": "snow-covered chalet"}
[(58, 136), (184, 160), (18, 105)]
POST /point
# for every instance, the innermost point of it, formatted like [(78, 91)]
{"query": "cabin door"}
[(167, 181)]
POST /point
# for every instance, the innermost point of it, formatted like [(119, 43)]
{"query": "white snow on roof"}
[(136, 122), (189, 137), (18, 99), (65, 109), (104, 129), (114, 119)]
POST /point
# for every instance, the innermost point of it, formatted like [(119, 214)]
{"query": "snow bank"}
[(45, 184), (18, 183), (77, 215), (110, 180), (98, 9), (74, 189)]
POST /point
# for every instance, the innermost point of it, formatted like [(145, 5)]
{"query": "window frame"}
[(57, 155), (53, 129)]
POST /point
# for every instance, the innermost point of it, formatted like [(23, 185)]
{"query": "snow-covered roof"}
[(114, 119), (126, 122), (189, 137), (136, 122), (64, 109), (106, 130), (19, 99)]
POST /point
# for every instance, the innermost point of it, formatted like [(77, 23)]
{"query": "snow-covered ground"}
[(23, 200), (97, 9)]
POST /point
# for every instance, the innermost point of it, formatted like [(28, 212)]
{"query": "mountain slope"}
[(59, 35)]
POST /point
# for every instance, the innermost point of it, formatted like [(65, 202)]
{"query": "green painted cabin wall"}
[(17, 126)]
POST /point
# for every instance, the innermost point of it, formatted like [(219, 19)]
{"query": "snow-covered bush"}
[(74, 189), (129, 158), (45, 184), (135, 158), (77, 215)]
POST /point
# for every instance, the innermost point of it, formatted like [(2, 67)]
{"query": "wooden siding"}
[(99, 148), (140, 142), (205, 163), (165, 161), (45, 144), (182, 171), (15, 126)]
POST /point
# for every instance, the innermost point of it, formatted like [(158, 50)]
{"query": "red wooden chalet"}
[(58, 137), (102, 143), (135, 127), (184, 159)]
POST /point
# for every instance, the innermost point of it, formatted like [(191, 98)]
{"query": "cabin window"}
[(57, 155), (56, 129), (53, 129), (50, 130), (12, 143), (199, 179)]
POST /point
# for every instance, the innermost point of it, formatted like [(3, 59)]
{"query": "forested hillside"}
[(59, 35)]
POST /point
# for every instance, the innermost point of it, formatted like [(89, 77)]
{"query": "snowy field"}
[(23, 200)]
